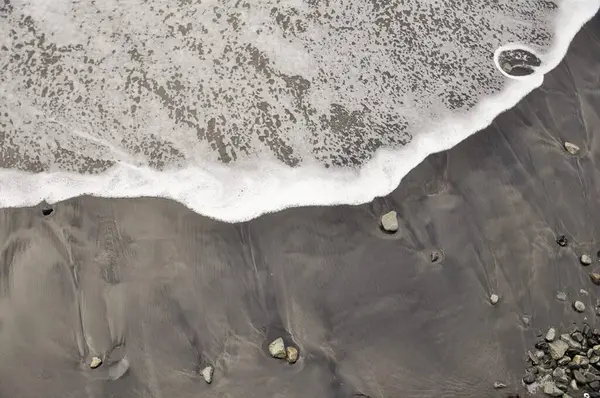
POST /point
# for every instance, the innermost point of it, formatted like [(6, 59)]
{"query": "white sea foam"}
[(255, 185)]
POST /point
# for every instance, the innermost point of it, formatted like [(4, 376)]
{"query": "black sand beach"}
[(161, 292)]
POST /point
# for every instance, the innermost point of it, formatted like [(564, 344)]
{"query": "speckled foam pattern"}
[(167, 84)]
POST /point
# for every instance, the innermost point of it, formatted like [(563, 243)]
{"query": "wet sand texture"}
[(159, 293)]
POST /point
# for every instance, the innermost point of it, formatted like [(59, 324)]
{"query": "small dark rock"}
[(577, 375), (46, 211), (590, 377), (596, 332), (562, 240), (578, 337), (595, 385), (573, 366), (541, 345), (564, 361), (529, 378), (587, 331)]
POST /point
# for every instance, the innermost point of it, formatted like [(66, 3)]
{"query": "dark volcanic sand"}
[(370, 312)]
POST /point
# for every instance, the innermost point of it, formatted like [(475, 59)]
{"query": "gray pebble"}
[(498, 385), (551, 335), (561, 296), (578, 306), (585, 259), (558, 349), (529, 378)]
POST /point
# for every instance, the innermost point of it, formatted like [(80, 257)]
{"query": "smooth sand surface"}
[(160, 292)]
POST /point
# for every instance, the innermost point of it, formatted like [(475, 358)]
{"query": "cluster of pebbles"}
[(566, 365)]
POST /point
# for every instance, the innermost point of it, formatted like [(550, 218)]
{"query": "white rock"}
[(96, 361), (207, 374), (551, 334), (277, 349), (389, 221), (494, 299), (585, 259), (571, 148)]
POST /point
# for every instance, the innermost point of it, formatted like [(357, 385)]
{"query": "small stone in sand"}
[(46, 211), (561, 296), (292, 354), (207, 374), (571, 148), (595, 278), (562, 241), (585, 259), (96, 361), (389, 222), (494, 299), (551, 334), (578, 306), (277, 348), (529, 378), (498, 385)]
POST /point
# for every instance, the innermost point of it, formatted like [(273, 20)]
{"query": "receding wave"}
[(239, 108)]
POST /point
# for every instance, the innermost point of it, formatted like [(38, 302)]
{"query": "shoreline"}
[(149, 284)]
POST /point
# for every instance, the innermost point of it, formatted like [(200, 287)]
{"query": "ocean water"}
[(239, 108)]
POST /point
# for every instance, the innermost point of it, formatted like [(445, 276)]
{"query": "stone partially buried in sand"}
[(578, 306), (389, 222), (585, 259), (277, 349), (292, 354), (571, 148), (494, 298), (551, 335), (96, 361), (207, 374), (595, 278)]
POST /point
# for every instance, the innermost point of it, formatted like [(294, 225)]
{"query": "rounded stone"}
[(494, 298), (529, 378), (96, 362), (585, 259), (277, 348), (389, 222), (595, 278), (578, 306)]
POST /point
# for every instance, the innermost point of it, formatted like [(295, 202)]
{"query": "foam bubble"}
[(159, 159)]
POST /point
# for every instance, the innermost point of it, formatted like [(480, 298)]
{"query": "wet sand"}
[(161, 292)]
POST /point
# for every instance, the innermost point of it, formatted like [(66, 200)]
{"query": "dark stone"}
[(578, 337), (587, 331), (579, 377), (592, 342), (529, 378), (562, 240), (573, 366), (541, 345), (532, 370), (590, 377), (571, 352), (595, 385), (564, 361), (46, 211)]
